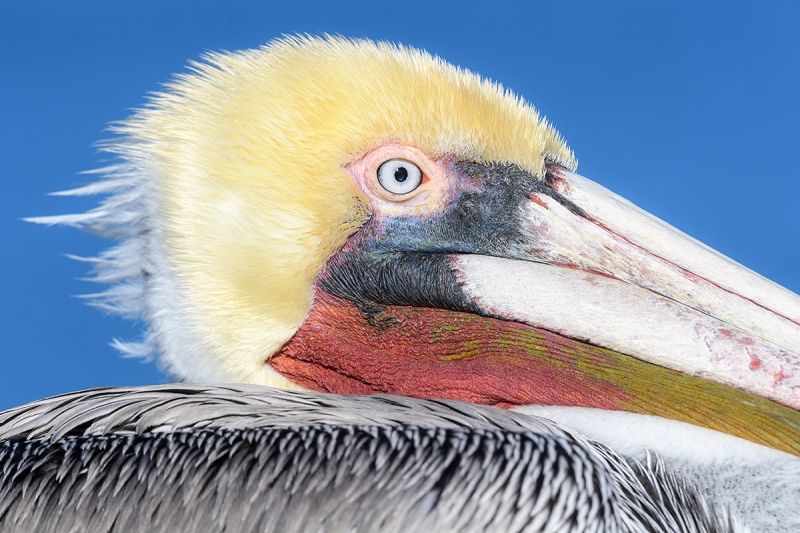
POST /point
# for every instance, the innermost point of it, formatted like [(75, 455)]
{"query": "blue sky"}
[(691, 111)]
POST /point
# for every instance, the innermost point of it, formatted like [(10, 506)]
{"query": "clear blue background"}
[(691, 111)]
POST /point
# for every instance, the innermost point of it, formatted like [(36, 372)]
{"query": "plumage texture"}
[(243, 458), (232, 194)]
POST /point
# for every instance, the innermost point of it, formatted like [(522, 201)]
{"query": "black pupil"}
[(401, 174)]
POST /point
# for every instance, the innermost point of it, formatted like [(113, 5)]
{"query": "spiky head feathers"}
[(246, 156)]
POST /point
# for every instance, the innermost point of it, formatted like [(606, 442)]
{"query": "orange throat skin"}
[(437, 353)]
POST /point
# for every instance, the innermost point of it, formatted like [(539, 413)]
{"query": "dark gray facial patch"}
[(405, 260)]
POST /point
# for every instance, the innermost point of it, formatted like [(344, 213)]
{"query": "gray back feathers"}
[(191, 458)]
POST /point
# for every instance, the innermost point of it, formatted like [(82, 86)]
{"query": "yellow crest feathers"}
[(247, 154)]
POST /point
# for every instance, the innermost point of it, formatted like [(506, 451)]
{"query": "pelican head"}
[(353, 217)]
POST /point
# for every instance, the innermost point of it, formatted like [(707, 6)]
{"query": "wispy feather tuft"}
[(124, 215)]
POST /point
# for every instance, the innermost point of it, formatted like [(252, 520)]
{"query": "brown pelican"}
[(355, 218)]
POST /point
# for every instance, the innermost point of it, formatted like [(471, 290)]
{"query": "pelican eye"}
[(399, 176)]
